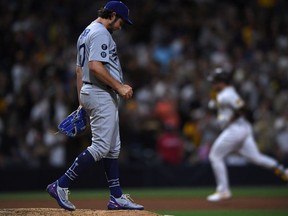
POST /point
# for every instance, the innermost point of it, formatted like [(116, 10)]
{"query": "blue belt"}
[(88, 83)]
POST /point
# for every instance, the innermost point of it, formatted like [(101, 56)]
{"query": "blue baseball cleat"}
[(60, 195), (123, 203)]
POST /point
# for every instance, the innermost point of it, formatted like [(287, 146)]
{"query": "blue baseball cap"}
[(119, 8)]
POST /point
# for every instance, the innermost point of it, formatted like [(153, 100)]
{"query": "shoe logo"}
[(63, 200)]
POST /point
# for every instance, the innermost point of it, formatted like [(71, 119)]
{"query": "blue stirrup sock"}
[(112, 174), (81, 163)]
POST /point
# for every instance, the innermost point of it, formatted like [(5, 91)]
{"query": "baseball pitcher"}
[(100, 86)]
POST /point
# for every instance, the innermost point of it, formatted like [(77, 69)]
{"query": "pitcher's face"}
[(116, 23)]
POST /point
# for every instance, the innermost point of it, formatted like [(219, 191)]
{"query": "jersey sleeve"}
[(78, 63), (237, 102), (99, 48)]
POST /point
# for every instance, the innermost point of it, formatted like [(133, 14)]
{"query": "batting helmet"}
[(219, 75)]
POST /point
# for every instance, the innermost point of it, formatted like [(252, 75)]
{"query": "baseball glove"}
[(75, 123)]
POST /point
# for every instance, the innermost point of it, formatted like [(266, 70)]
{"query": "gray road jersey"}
[(96, 44)]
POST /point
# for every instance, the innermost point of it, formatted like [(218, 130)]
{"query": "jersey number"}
[(82, 54)]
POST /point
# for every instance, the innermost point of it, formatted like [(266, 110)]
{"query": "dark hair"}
[(106, 14), (103, 13), (220, 75)]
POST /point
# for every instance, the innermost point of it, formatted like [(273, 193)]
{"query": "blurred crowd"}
[(166, 56)]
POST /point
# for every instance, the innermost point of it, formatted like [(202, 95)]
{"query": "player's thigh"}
[(228, 141), (249, 148), (103, 121), (103, 112)]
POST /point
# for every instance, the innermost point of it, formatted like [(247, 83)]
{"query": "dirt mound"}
[(61, 212)]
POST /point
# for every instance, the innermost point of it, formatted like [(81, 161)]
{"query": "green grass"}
[(226, 213), (267, 191), (192, 192), (204, 191)]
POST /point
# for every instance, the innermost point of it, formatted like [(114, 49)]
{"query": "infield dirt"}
[(96, 207), (61, 212)]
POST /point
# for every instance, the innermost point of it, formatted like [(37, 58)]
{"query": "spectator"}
[(38, 61), (170, 146)]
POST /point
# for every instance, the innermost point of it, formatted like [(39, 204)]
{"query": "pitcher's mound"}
[(62, 212)]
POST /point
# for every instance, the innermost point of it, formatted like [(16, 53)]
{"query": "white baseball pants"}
[(237, 137)]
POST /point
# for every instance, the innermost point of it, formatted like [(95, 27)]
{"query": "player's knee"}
[(213, 157), (113, 154), (97, 152)]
